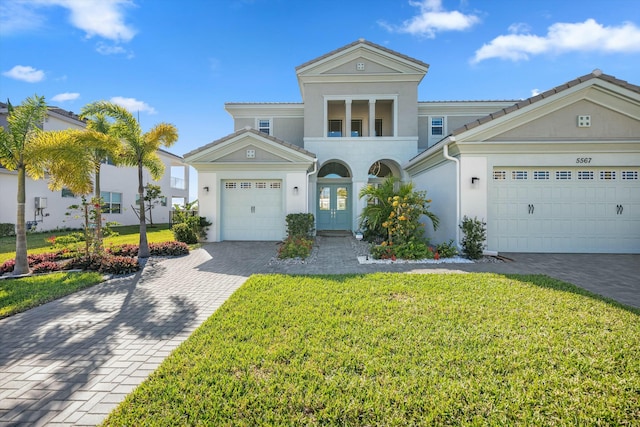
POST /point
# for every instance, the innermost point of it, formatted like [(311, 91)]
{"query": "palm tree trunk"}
[(22, 264), (143, 249), (98, 209)]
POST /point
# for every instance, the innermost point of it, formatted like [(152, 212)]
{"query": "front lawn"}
[(400, 349), (18, 295)]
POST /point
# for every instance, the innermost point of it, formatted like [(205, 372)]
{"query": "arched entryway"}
[(334, 199), (381, 170)]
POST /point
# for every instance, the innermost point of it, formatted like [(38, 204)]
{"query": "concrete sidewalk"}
[(71, 361)]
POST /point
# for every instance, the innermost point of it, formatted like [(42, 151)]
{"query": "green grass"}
[(18, 295), (36, 242), (400, 349)]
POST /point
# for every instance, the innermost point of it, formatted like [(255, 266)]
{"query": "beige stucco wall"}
[(406, 92), (440, 184)]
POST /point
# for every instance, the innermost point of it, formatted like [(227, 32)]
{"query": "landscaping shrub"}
[(447, 249), (45, 267), (7, 266), (128, 249), (185, 233), (84, 262), (295, 247), (300, 225), (114, 264), (7, 229), (169, 249), (393, 215), (475, 233), (35, 259)]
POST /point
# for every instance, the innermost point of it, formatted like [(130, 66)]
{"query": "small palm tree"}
[(140, 150), (23, 125), (73, 158), (380, 205)]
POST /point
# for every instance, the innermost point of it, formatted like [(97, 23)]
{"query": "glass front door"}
[(334, 207)]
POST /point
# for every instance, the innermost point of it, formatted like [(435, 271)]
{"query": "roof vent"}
[(597, 72)]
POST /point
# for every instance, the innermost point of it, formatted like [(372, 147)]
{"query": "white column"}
[(347, 109), (372, 117)]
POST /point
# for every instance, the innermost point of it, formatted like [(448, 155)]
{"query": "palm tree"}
[(140, 150), (379, 205), (24, 122), (73, 158)]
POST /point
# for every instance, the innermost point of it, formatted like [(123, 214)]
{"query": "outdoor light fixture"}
[(474, 179), (295, 190), (206, 189)]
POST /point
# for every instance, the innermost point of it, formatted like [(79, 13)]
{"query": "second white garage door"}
[(252, 210), (588, 210)]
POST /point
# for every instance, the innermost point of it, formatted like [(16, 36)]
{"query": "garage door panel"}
[(564, 210)]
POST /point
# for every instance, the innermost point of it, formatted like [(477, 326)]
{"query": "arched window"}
[(334, 170)]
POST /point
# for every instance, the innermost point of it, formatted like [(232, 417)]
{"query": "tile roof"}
[(596, 74), (365, 42), (254, 132)]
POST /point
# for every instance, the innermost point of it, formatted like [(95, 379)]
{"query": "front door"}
[(334, 207)]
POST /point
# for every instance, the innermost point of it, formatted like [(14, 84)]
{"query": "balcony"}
[(178, 183)]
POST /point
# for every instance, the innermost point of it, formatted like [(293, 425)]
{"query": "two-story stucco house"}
[(48, 210), (558, 172)]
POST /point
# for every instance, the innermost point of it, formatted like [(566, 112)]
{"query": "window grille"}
[(629, 175), (541, 175), (499, 175), (563, 175), (261, 185), (519, 175), (245, 185), (585, 174), (274, 185), (607, 175), (230, 185)]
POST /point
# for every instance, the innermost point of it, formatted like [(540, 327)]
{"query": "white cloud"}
[(25, 73), (17, 17), (535, 92), (587, 36), (105, 49), (432, 19), (67, 96), (133, 105), (100, 18)]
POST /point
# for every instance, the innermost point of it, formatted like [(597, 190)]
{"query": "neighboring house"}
[(47, 210), (555, 173)]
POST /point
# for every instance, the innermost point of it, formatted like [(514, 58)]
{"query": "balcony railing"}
[(177, 183)]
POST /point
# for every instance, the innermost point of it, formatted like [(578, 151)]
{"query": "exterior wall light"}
[(474, 179), (295, 190), (206, 189)]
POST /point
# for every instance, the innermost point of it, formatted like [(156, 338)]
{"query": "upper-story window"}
[(264, 125), (437, 126), (356, 127), (335, 127)]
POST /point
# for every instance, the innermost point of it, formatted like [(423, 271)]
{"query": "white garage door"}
[(252, 210), (589, 210)]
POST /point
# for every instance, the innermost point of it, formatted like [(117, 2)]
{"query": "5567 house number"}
[(583, 160)]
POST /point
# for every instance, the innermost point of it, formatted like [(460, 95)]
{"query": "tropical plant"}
[(153, 197), (140, 150), (196, 226), (475, 233), (392, 217), (16, 153)]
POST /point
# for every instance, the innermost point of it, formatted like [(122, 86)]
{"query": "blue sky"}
[(180, 61)]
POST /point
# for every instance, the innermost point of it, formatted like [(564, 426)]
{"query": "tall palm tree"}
[(24, 122), (140, 150)]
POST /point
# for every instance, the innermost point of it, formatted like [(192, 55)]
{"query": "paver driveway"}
[(71, 361)]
